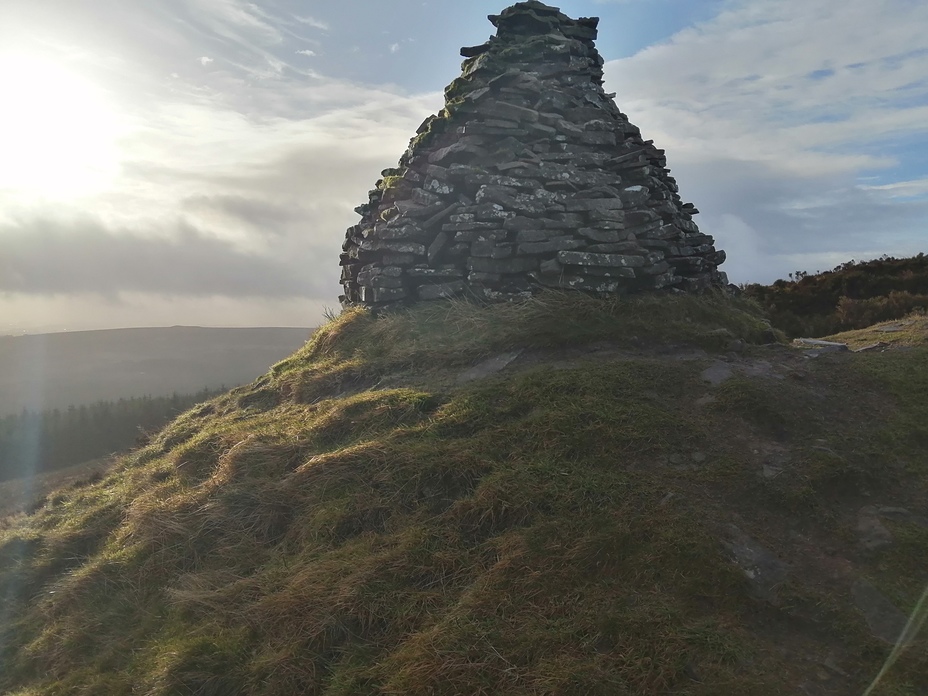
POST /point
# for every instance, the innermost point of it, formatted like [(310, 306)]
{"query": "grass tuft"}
[(359, 521)]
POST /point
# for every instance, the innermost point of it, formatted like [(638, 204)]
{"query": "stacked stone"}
[(530, 177)]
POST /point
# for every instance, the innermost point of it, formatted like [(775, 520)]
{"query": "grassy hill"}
[(852, 296), (568, 496)]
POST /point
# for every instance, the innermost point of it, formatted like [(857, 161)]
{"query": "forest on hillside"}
[(36, 442), (854, 295)]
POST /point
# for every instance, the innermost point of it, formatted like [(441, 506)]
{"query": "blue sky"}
[(197, 161)]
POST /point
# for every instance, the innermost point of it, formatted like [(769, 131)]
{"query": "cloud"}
[(45, 256), (234, 186), (771, 115), (817, 100), (394, 47), (782, 121), (770, 224), (917, 188), (213, 203), (312, 22), (236, 20)]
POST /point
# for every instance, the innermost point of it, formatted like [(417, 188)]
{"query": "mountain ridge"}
[(57, 370)]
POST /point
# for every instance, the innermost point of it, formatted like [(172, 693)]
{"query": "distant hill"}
[(854, 295), (48, 371)]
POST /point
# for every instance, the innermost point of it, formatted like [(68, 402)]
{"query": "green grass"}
[(911, 331), (356, 522)]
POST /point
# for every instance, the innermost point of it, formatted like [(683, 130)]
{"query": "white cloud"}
[(770, 112), (740, 85), (218, 187), (394, 48), (902, 189), (265, 157), (307, 52), (235, 19), (205, 60), (312, 22)]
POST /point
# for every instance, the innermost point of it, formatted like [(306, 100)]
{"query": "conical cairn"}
[(530, 177)]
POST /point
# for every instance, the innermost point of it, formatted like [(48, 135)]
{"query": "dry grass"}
[(17, 495), (529, 534), (912, 331)]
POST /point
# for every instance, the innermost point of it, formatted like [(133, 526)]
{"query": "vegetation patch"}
[(358, 522), (852, 296)]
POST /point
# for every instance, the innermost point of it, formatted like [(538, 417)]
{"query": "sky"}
[(198, 161)]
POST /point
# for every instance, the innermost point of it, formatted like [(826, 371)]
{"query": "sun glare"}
[(58, 134)]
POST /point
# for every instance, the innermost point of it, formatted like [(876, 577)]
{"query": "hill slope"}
[(851, 296), (570, 496), (47, 371)]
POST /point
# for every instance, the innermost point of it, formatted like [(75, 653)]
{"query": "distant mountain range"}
[(56, 370)]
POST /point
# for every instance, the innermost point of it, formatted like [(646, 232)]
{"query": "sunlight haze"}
[(198, 161), (58, 134)]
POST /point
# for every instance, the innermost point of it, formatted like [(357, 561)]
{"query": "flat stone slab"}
[(895, 328), (488, 367), (764, 571), (717, 373), (885, 620), (871, 531)]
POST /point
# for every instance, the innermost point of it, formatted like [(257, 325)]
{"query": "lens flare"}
[(58, 132)]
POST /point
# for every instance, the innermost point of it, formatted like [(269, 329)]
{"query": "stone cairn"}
[(530, 177)]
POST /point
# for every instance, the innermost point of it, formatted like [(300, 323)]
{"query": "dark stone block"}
[(481, 129), (490, 212), (504, 110), (437, 246), (598, 235), (618, 248), (471, 236), (396, 247), (441, 290), (583, 258), (485, 278), (402, 232), (610, 216), (588, 204), (468, 226), (599, 138), (443, 273), (488, 248), (639, 217), (475, 181), (568, 281), (382, 281), (655, 269), (609, 272), (457, 152), (425, 198), (537, 235), (663, 280), (550, 245), (377, 295), (520, 223), (472, 51), (514, 265)]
